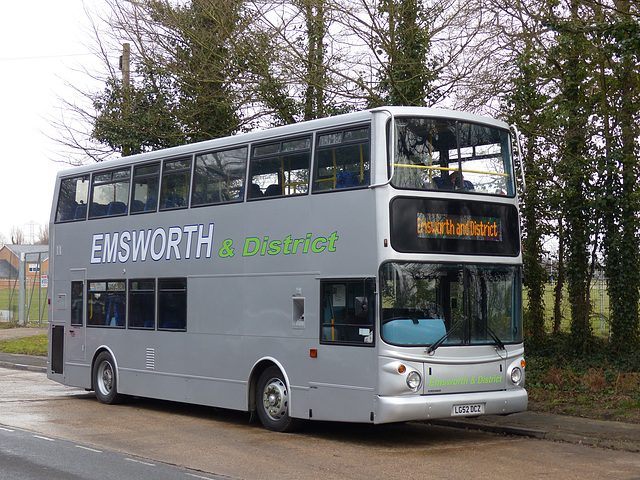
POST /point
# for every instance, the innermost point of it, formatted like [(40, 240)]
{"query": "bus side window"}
[(219, 177), (347, 312), (142, 304), (342, 160), (280, 169), (72, 201), (106, 304), (145, 188), (176, 175), (77, 303), (172, 304)]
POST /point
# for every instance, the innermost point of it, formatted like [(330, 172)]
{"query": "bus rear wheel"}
[(272, 401), (105, 381)]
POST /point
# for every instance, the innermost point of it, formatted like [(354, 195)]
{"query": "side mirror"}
[(362, 307)]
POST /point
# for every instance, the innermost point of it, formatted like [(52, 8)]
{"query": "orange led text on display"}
[(459, 227)]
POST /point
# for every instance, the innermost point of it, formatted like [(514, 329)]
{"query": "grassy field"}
[(36, 311), (599, 309)]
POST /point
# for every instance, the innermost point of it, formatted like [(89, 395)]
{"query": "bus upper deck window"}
[(219, 177), (280, 168), (176, 175), (450, 155), (72, 201), (145, 188), (110, 193), (342, 160)]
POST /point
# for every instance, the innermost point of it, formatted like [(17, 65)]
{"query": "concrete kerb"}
[(23, 362), (492, 428), (560, 428)]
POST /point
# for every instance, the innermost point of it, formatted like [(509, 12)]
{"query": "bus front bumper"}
[(427, 407)]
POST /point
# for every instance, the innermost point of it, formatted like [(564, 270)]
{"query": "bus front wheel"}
[(105, 382), (272, 401)]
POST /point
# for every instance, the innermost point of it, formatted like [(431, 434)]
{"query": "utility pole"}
[(125, 61), (22, 276)]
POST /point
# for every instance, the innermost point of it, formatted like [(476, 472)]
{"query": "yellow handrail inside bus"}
[(430, 167)]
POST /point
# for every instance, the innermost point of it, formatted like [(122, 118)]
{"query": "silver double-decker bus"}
[(361, 268)]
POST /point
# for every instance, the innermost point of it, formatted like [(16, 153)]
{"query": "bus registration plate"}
[(469, 409)]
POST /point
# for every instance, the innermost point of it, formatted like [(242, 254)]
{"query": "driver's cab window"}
[(347, 312)]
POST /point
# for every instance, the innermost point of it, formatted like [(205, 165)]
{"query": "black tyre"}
[(105, 381), (272, 401)]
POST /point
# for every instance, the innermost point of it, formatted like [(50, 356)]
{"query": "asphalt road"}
[(219, 442), (27, 455)]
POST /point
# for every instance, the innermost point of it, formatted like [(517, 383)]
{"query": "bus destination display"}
[(425, 225)]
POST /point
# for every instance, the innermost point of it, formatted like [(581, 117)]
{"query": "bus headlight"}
[(414, 380), (516, 375)]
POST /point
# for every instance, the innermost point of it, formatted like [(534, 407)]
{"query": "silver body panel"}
[(241, 302)]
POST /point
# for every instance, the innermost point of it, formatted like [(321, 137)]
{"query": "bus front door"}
[(343, 383)]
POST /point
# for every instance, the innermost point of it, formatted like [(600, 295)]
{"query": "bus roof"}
[(281, 131)]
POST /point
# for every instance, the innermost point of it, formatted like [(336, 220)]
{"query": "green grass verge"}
[(35, 345)]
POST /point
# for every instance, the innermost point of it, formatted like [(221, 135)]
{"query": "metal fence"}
[(24, 293), (600, 312)]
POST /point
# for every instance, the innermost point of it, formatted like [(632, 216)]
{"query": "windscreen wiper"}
[(495, 338), (441, 340), (488, 331)]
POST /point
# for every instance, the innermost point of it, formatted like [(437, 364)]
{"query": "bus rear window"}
[(72, 202)]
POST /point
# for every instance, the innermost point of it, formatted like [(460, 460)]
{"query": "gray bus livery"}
[(361, 268)]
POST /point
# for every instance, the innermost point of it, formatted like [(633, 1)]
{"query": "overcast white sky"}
[(43, 44)]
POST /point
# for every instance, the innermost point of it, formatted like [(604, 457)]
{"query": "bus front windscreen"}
[(450, 304), (444, 154)]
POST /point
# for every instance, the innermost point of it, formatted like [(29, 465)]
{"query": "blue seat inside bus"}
[(81, 212), (116, 208), (346, 179), (173, 325), (151, 204), (98, 210), (423, 331), (174, 200), (115, 311), (137, 206)]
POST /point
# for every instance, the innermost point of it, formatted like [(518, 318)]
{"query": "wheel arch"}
[(257, 369), (99, 350)]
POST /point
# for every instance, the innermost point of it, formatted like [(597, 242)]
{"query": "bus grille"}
[(151, 359)]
